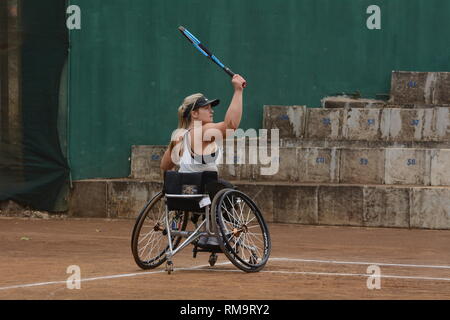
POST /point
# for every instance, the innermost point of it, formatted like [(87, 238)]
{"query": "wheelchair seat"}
[(188, 184)]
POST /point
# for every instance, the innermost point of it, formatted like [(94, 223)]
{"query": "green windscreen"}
[(131, 68)]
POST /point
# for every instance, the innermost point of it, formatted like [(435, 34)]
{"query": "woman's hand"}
[(238, 82)]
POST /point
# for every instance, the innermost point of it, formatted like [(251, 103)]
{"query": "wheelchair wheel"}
[(243, 233), (149, 239)]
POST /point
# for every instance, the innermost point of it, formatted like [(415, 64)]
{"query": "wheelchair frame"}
[(229, 222), (190, 235)]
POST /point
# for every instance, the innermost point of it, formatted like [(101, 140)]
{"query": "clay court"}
[(307, 262)]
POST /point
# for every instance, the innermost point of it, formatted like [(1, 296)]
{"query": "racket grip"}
[(230, 73)]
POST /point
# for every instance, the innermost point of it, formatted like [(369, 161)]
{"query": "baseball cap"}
[(201, 102)]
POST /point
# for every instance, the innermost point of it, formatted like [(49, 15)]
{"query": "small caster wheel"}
[(212, 259), (169, 267)]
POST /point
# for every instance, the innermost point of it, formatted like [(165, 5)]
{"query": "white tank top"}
[(190, 162)]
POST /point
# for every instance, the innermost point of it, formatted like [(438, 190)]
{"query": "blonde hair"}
[(184, 122)]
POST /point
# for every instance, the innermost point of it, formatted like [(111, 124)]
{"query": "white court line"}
[(105, 277), (362, 263), (337, 274), (263, 271)]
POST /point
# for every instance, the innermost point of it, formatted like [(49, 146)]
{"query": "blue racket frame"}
[(203, 50)]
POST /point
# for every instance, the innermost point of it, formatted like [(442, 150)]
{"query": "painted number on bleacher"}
[(411, 162), (412, 84), (363, 161), (415, 122), (326, 121), (371, 122), (155, 157), (320, 160)]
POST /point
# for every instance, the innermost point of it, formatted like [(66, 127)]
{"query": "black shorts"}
[(213, 188)]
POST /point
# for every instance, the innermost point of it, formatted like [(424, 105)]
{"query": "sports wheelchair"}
[(231, 217)]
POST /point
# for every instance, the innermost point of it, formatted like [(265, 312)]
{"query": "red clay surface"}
[(307, 262)]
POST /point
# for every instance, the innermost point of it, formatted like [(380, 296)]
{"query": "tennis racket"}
[(203, 50)]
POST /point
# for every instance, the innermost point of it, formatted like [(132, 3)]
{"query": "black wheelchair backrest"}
[(187, 183)]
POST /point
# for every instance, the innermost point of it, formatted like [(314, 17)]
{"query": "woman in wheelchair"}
[(194, 144), (239, 230)]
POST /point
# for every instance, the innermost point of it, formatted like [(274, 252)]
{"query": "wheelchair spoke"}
[(248, 216), (150, 238), (150, 257), (242, 245), (251, 220), (145, 237), (256, 238), (147, 256), (236, 241), (254, 245), (241, 205), (255, 226), (252, 256), (231, 216), (231, 208), (239, 202), (153, 243), (249, 244)]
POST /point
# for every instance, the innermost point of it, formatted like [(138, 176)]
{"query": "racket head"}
[(194, 41), (185, 32), (203, 50)]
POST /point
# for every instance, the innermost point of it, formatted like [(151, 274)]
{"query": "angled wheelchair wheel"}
[(149, 241), (243, 233)]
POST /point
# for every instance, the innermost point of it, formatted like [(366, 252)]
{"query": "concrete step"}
[(420, 87), (145, 162), (368, 205), (344, 102), (408, 90), (309, 143), (387, 125), (390, 166)]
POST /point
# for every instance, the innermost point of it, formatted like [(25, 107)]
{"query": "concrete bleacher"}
[(387, 126), (356, 162)]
